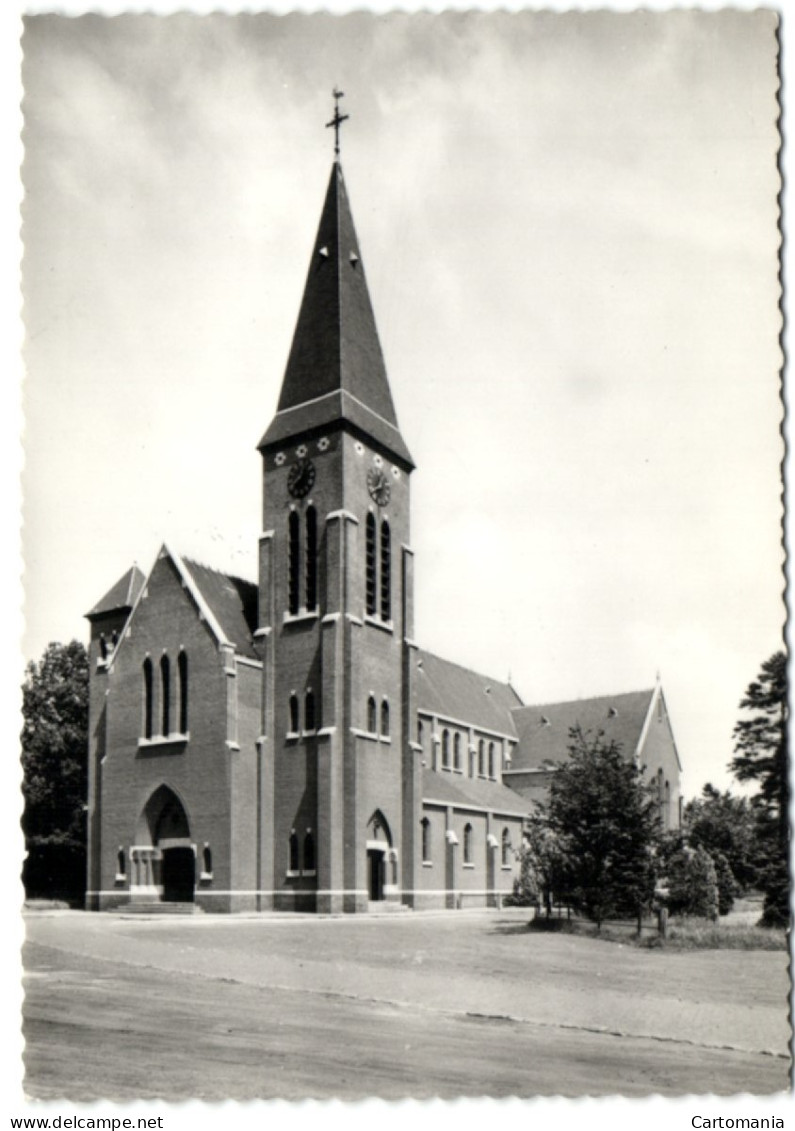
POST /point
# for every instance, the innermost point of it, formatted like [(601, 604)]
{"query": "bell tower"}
[(338, 771)]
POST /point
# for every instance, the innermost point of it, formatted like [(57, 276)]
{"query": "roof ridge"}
[(584, 699), (215, 569), (470, 671)]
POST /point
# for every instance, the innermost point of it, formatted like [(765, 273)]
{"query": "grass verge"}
[(683, 934)]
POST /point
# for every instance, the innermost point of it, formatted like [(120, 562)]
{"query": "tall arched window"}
[(309, 852), (419, 732), (311, 559), (148, 698), (667, 806), (369, 579), (491, 759), (310, 722), (473, 766), (165, 695), (121, 864), (467, 844), (207, 860), (445, 749), (293, 865), (425, 824), (385, 718), (386, 571), (182, 671), (506, 847), (372, 719), (457, 752), (482, 758), (294, 714), (294, 563)]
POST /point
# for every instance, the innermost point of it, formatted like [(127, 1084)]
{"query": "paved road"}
[(408, 1005)]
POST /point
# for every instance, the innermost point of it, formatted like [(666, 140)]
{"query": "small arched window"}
[(386, 571), (309, 852), (121, 864), (310, 722), (491, 759), (425, 824), (294, 563), (369, 576), (294, 724), (165, 695), (182, 672), (372, 720), (482, 758), (667, 806), (207, 860), (467, 844), (148, 698), (385, 718), (506, 847), (311, 559), (457, 752), (445, 749), (293, 865)]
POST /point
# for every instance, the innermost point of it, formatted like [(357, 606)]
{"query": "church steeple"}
[(335, 371)]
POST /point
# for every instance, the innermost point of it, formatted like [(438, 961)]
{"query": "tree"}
[(54, 765), (542, 866), (761, 756), (725, 825), (728, 888), (605, 820), (692, 884)]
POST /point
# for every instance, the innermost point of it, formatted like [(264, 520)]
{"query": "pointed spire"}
[(335, 370)]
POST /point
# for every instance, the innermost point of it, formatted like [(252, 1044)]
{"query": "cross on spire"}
[(337, 120)]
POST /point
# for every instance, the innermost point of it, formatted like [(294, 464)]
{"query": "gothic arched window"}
[(467, 844), (309, 711), (165, 695), (293, 865), (294, 714), (385, 718), (386, 571), (491, 759), (473, 766), (207, 860), (182, 673), (148, 698), (445, 749), (294, 563), (309, 852), (457, 752), (425, 824), (369, 578), (311, 559), (372, 720), (482, 758), (506, 847)]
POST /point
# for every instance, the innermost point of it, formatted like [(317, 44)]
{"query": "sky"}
[(569, 227)]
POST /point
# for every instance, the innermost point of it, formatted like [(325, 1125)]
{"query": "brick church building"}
[(287, 744)]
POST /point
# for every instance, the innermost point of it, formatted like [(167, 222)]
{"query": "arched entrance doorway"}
[(164, 857), (382, 882)]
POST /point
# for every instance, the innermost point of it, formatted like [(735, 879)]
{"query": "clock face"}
[(301, 478), (378, 486)]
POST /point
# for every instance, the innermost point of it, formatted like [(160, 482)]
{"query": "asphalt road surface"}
[(406, 1005)]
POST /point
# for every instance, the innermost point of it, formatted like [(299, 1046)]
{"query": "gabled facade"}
[(287, 745)]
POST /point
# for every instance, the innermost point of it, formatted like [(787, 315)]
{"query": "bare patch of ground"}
[(448, 1005)]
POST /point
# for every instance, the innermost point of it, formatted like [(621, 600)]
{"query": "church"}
[(287, 745)]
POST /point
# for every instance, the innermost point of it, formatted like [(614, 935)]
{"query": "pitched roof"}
[(455, 692), (233, 603), (467, 792), (122, 595), (544, 730), (335, 371)]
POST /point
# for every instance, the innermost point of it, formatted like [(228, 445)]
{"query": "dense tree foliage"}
[(604, 820), (725, 825), (761, 756), (692, 884), (54, 763)]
